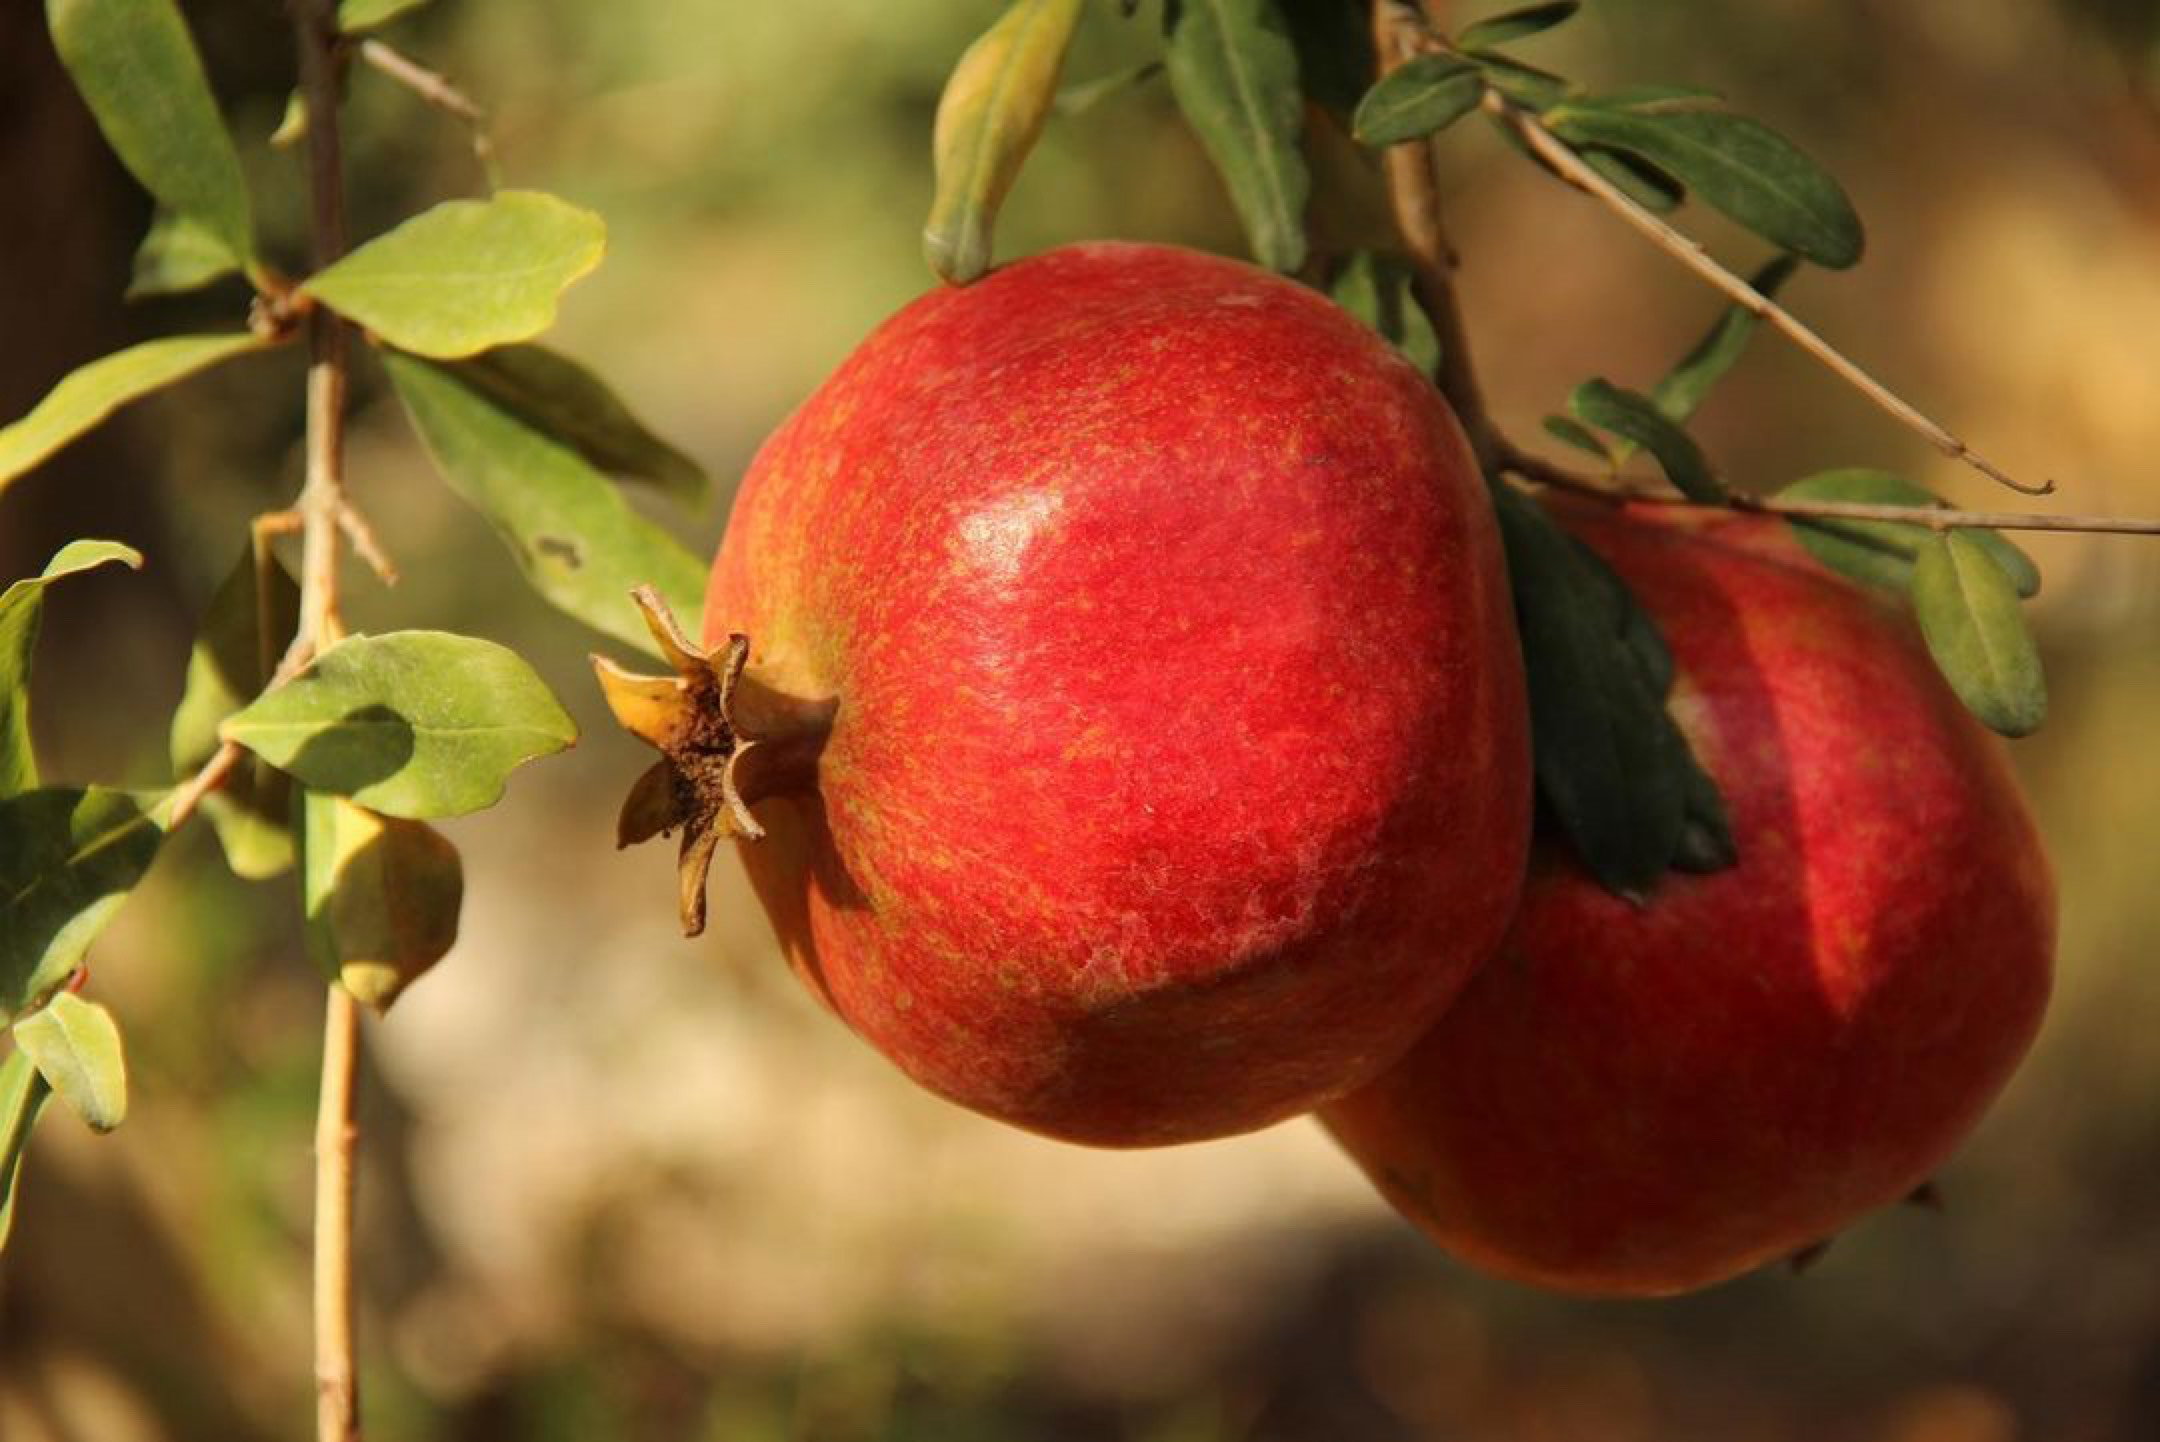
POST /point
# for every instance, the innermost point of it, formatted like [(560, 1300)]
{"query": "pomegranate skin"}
[(1180, 772), (1647, 1101)]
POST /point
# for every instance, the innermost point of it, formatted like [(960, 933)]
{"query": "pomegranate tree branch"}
[(324, 514), (436, 90)]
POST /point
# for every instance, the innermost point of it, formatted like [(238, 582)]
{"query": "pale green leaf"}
[(1881, 553), (1969, 614), (22, 1097), (137, 69), (466, 275), (561, 398), (380, 894), (413, 723), (1417, 98), (177, 255), (20, 608), (991, 111), (1234, 71), (353, 16), (1377, 290), (1079, 98), (75, 1046), (68, 858), (92, 392), (579, 543)]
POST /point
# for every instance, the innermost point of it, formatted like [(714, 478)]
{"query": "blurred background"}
[(620, 1186)]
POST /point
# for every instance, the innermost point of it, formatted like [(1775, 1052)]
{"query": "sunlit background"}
[(620, 1186)]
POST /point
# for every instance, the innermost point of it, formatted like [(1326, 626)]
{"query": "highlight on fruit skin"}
[(1641, 1101), (1157, 759)]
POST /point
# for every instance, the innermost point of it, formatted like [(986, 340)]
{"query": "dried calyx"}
[(726, 740)]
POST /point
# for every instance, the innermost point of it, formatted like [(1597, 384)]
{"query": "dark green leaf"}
[(1377, 290), (1744, 169), (1609, 762), (381, 896), (1234, 72), (92, 392), (236, 650), (1635, 417), (578, 541), (556, 395), (22, 1097), (1968, 611), (1637, 179), (68, 858), (137, 69), (1079, 99), (1881, 553), (357, 15), (177, 255), (466, 275), (1513, 25), (1683, 387), (20, 608), (1334, 52), (413, 724), (1417, 98), (1526, 85), (75, 1045), (1581, 437), (988, 117)]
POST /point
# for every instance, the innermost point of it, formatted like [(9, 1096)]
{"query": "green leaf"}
[(413, 723), (556, 395), (137, 69), (991, 111), (353, 16), (1513, 25), (236, 651), (1683, 388), (1335, 58), (381, 896), (22, 1097), (1377, 290), (1640, 181), (1969, 613), (1417, 98), (578, 542), (292, 123), (1079, 99), (1635, 417), (1881, 553), (1527, 85), (466, 275), (177, 255), (1234, 72), (75, 1046), (1744, 169), (1656, 98), (1610, 764), (68, 858), (21, 606), (1578, 435), (92, 392)]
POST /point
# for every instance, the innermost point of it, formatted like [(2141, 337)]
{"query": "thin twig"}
[(1937, 518), (1570, 168), (323, 510), (436, 90), (365, 543)]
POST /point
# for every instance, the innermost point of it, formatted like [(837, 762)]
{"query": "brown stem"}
[(337, 1135), (436, 90)]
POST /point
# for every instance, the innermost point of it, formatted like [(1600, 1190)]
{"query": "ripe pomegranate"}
[(1136, 734), (1651, 1100)]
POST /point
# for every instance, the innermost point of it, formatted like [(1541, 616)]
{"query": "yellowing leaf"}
[(76, 1047), (381, 896), (20, 607)]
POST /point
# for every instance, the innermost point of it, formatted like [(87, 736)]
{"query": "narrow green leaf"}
[(1637, 179), (577, 540), (1682, 389), (413, 723), (236, 650), (292, 123), (21, 606), (988, 118), (1234, 71), (1078, 99), (1744, 169), (354, 16), (556, 395), (1513, 25), (1656, 98), (1578, 435), (1969, 613), (177, 255), (1635, 417), (1417, 98), (137, 69), (92, 392), (22, 1097), (75, 1046), (466, 275), (1881, 553), (1528, 85), (381, 896), (68, 858), (1377, 290)]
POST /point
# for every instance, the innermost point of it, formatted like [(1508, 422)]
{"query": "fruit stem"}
[(727, 738)]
